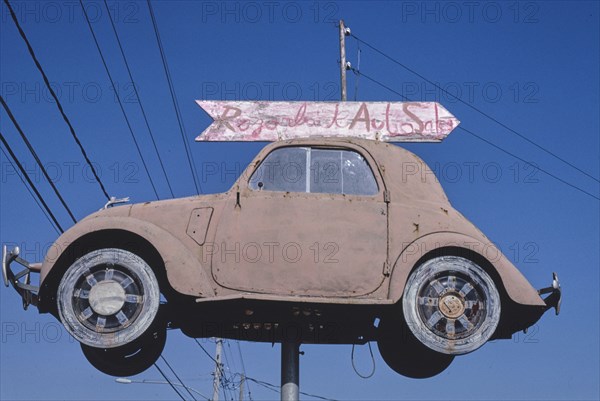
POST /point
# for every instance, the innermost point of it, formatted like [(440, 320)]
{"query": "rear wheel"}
[(451, 305), (108, 298)]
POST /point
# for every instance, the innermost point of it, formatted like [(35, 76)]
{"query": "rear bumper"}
[(20, 281), (555, 298)]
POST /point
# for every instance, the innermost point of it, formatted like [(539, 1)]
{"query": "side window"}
[(283, 169), (332, 171)]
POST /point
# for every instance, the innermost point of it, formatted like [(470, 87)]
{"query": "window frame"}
[(369, 160)]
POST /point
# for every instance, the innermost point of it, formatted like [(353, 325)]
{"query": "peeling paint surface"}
[(273, 121)]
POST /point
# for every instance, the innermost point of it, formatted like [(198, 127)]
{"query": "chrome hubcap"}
[(107, 297), (452, 305)]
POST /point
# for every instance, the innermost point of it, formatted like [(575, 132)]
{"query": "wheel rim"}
[(451, 305), (108, 298)]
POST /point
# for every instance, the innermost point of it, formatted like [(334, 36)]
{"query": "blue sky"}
[(533, 66)]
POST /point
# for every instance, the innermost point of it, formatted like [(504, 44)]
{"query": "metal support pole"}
[(290, 371), (343, 33)]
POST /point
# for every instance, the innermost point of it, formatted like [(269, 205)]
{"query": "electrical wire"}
[(162, 166), (525, 161), (31, 193), (137, 146), (163, 57), (208, 354), (475, 108), (177, 377), (58, 104), (356, 80), (276, 389), (239, 347), (225, 381), (228, 343), (37, 159), (485, 140), (368, 376), (31, 184), (169, 381)]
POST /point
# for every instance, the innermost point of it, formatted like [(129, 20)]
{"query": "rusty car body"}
[(367, 249)]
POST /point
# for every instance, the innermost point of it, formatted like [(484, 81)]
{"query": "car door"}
[(309, 221)]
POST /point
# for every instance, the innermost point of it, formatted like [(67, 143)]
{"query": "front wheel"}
[(451, 305), (108, 298)]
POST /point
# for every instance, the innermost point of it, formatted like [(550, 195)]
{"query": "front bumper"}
[(20, 281)]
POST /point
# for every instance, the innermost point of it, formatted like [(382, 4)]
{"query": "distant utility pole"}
[(344, 31), (242, 379), (218, 368)]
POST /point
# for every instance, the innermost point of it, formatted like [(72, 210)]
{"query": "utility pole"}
[(344, 31), (242, 380), (218, 369)]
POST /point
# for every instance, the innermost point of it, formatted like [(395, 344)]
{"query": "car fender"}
[(517, 287), (184, 269)]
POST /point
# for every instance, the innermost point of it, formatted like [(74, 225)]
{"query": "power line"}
[(476, 109), (112, 23), (35, 156), (58, 104), (31, 184), (118, 98), (231, 355), (31, 193), (205, 351), (481, 138), (276, 389), (169, 381), (243, 368), (177, 376), (163, 57), (221, 371), (525, 161), (224, 382)]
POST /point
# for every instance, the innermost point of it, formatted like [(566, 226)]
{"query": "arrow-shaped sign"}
[(274, 121)]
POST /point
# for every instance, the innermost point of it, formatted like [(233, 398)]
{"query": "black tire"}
[(130, 359), (407, 356)]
